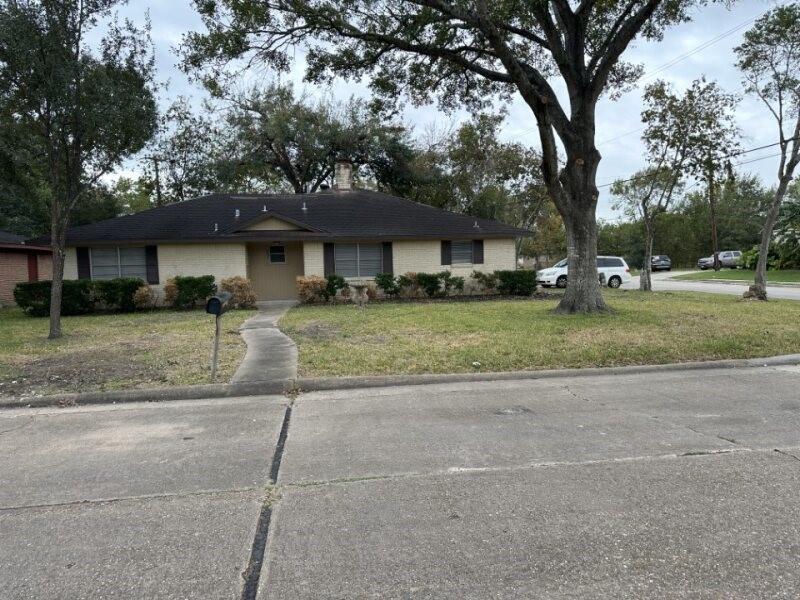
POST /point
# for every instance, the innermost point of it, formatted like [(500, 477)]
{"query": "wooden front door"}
[(273, 269)]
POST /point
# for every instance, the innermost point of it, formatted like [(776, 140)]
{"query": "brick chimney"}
[(343, 175)]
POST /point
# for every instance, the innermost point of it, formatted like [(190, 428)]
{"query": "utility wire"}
[(738, 153)]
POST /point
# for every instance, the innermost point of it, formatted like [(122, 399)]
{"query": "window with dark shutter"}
[(151, 264), (84, 265), (477, 252), (447, 249), (461, 252), (329, 259), (388, 260)]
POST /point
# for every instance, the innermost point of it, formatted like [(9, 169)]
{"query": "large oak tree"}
[(465, 53)]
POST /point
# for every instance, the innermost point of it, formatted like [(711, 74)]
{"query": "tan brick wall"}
[(425, 256), (219, 260), (71, 264), (13, 270), (45, 267), (313, 259)]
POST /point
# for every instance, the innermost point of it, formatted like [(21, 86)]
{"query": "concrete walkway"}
[(271, 355)]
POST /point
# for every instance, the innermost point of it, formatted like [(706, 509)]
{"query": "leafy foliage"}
[(118, 293), (241, 290), (187, 292), (516, 283), (387, 283), (34, 297)]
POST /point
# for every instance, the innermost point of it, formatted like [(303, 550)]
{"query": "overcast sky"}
[(702, 47)]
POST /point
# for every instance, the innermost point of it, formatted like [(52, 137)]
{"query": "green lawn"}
[(510, 335), (788, 276), (101, 352)]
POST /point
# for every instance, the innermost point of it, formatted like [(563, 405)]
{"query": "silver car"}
[(730, 259)]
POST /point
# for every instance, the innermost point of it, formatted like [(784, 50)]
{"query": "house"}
[(273, 239), (20, 262)]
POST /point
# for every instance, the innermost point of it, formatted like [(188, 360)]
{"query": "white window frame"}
[(269, 254), (119, 263), (358, 245)]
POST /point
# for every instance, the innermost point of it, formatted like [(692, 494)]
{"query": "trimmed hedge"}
[(34, 297), (191, 290), (118, 294), (516, 283)]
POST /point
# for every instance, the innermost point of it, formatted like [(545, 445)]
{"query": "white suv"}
[(614, 269)]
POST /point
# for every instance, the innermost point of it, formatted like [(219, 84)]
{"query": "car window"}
[(609, 262), (725, 255), (737, 253), (561, 263), (602, 262)]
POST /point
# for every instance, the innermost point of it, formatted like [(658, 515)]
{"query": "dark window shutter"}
[(33, 267), (329, 259), (388, 260), (151, 263), (84, 270), (477, 252), (447, 253)]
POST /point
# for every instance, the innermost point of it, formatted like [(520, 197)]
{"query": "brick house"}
[(21, 262), (273, 238)]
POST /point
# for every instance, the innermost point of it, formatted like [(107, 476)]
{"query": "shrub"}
[(451, 283), (487, 281), (311, 288), (241, 290), (170, 292), (144, 298), (372, 291), (431, 283), (516, 283), (34, 298), (191, 290), (334, 284), (118, 293), (388, 283)]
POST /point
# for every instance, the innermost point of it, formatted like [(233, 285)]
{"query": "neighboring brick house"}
[(21, 262), (271, 239)]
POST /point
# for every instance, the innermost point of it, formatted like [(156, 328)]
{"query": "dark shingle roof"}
[(357, 214), (6, 237)]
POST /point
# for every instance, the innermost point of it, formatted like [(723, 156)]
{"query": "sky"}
[(701, 47)]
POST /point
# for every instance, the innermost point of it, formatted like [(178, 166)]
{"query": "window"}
[(113, 262), (609, 262), (462, 252), (358, 260), (277, 255)]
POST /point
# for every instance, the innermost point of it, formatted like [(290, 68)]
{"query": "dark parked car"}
[(729, 259), (660, 262)]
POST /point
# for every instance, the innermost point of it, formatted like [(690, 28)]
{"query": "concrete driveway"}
[(664, 282), (670, 484)]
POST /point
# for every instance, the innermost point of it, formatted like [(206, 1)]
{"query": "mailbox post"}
[(217, 305)]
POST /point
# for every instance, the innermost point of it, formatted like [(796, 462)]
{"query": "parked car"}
[(660, 262), (614, 269), (729, 259)]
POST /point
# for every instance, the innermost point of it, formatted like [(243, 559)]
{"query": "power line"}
[(737, 153)]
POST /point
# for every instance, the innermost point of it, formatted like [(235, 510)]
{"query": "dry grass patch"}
[(511, 335), (107, 352)]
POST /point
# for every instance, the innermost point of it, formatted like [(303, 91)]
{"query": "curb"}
[(735, 282), (314, 384)]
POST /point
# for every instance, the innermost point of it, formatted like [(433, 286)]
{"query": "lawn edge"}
[(736, 281), (312, 384)]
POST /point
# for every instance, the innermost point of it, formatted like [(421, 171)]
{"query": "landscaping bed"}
[(503, 335), (106, 352), (743, 275)]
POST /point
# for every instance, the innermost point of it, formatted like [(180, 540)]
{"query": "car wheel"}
[(614, 282), (561, 282)]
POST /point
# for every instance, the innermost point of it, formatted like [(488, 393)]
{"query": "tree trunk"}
[(645, 283), (712, 203), (758, 290), (583, 287), (58, 241)]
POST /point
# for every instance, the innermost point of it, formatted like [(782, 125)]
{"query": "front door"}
[(273, 269)]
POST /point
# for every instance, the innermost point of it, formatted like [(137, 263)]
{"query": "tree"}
[(769, 59), (695, 133), (84, 110), (300, 140), (471, 171), (464, 53), (645, 196)]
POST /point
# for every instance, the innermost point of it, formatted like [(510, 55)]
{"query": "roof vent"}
[(236, 213), (305, 208), (476, 226), (216, 227), (264, 208)]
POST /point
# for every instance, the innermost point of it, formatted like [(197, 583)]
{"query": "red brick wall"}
[(14, 269)]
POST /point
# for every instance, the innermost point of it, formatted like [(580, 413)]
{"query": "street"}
[(667, 484), (664, 282)]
